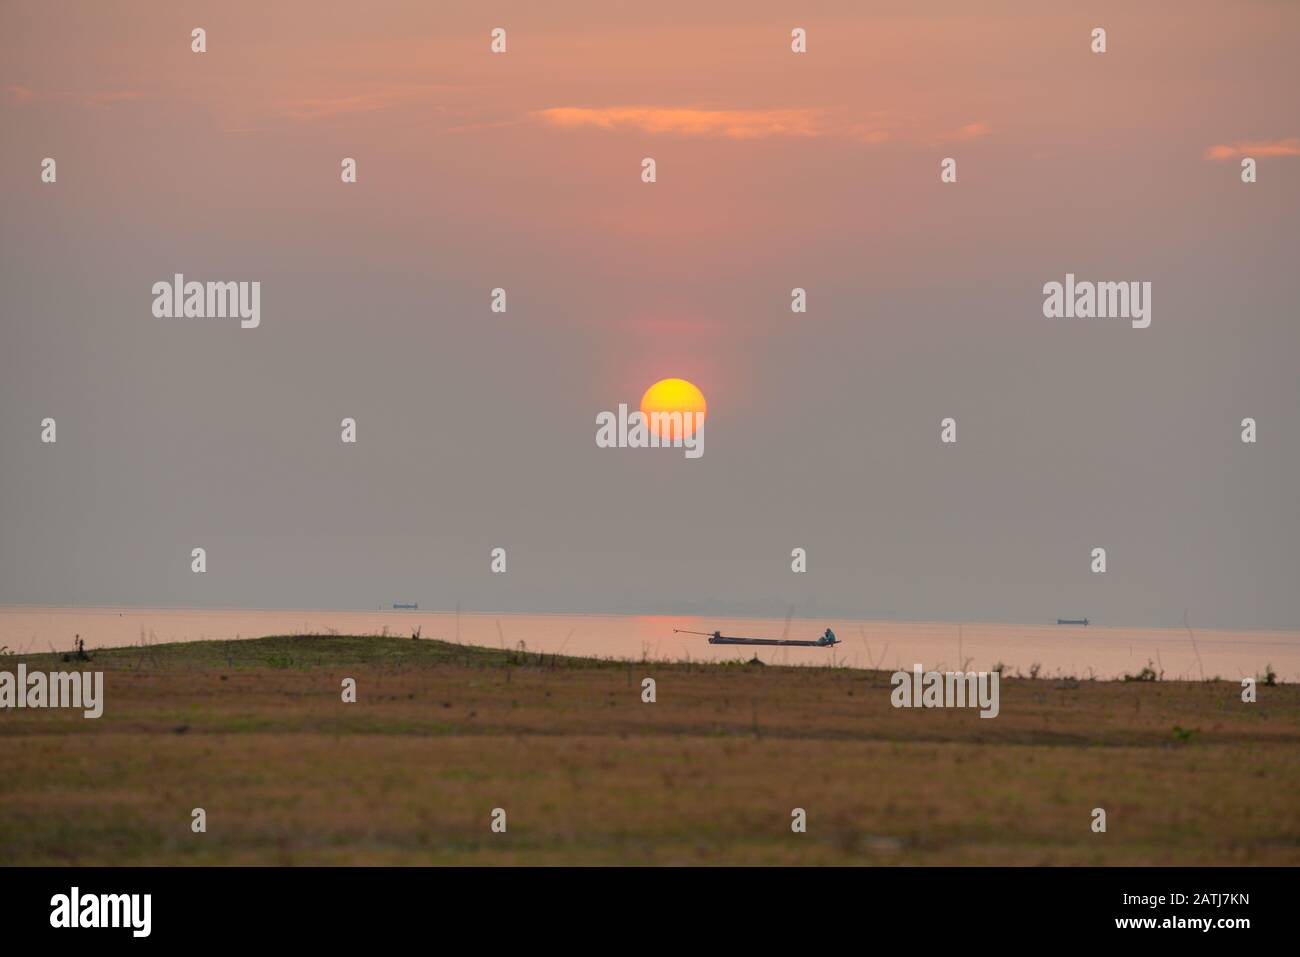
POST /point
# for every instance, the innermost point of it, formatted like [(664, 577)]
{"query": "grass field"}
[(255, 733)]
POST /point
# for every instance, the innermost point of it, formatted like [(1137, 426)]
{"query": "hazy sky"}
[(775, 170)]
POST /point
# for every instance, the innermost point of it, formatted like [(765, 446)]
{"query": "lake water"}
[(1101, 651)]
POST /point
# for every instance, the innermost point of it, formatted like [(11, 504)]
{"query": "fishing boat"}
[(717, 638), (1072, 621), (413, 606)]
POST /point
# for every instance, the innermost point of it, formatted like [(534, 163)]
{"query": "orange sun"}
[(673, 395)]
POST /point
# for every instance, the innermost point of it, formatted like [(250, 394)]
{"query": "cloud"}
[(1286, 147), (374, 97), (109, 97), (972, 131), (685, 121), (18, 94), (870, 127), (316, 108)]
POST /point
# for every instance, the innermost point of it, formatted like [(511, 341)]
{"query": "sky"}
[(774, 170)]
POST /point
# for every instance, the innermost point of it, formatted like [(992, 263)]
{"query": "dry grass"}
[(255, 733)]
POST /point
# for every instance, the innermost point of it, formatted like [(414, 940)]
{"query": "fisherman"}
[(829, 637)]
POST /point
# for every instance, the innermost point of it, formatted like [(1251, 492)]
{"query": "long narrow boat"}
[(1072, 621), (717, 638)]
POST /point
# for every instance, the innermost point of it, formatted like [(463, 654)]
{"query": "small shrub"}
[(79, 651), (1148, 673)]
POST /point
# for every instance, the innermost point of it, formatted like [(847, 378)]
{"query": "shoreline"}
[(1091, 651)]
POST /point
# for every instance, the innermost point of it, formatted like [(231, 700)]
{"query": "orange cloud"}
[(871, 127), (1286, 147), (21, 95), (18, 94), (376, 96), (108, 97), (972, 131), (737, 124), (316, 108)]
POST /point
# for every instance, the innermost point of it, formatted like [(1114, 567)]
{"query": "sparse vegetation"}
[(78, 652), (590, 774), (1148, 673)]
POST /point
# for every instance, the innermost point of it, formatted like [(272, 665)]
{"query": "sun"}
[(673, 395)]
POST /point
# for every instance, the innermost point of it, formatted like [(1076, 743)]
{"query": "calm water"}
[(1106, 652)]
